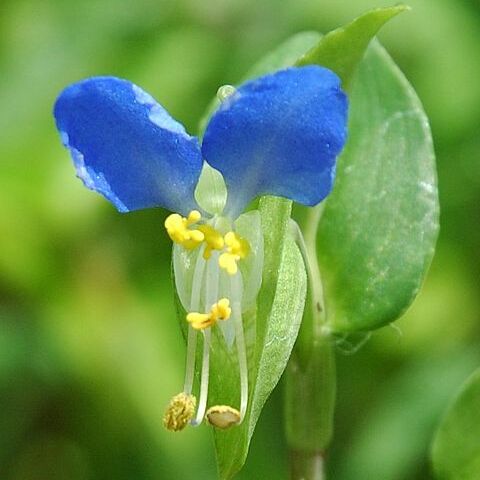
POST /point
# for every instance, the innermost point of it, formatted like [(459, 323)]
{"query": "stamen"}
[(228, 262), (178, 231), (202, 404), (211, 293), (199, 321), (179, 412), (223, 416), (236, 249), (193, 217), (225, 91), (192, 333), (213, 240), (236, 289), (222, 310), (219, 311)]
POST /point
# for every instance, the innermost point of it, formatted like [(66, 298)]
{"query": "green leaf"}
[(378, 231), (456, 447), (280, 309), (342, 49)]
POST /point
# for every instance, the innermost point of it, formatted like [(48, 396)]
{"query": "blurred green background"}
[(90, 351)]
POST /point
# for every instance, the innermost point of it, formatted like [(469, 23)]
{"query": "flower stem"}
[(310, 375), (309, 408)]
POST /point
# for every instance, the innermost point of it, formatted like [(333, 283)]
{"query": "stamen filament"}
[(202, 404), (236, 289), (211, 293), (192, 333)]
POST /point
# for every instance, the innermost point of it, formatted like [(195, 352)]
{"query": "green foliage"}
[(398, 422), (378, 231), (343, 49), (456, 447), (310, 396)]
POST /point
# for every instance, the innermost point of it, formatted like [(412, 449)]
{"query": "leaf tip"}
[(396, 9), (386, 12)]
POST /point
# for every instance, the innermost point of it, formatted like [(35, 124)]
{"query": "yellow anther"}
[(228, 262), (199, 321), (237, 245), (179, 412), (213, 240), (223, 416), (178, 231), (219, 311), (236, 249), (193, 217)]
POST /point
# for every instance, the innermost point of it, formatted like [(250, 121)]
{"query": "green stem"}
[(310, 376), (309, 408), (306, 466)]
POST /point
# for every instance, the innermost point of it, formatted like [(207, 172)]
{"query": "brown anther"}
[(223, 416)]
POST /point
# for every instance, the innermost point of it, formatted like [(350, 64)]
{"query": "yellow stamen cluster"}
[(236, 249), (178, 231), (223, 416), (179, 412), (219, 311)]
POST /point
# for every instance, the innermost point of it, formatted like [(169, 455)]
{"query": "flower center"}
[(234, 247)]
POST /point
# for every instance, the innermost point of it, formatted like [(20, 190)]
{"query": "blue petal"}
[(127, 147), (279, 134)]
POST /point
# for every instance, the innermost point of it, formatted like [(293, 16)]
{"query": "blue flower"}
[(279, 134)]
